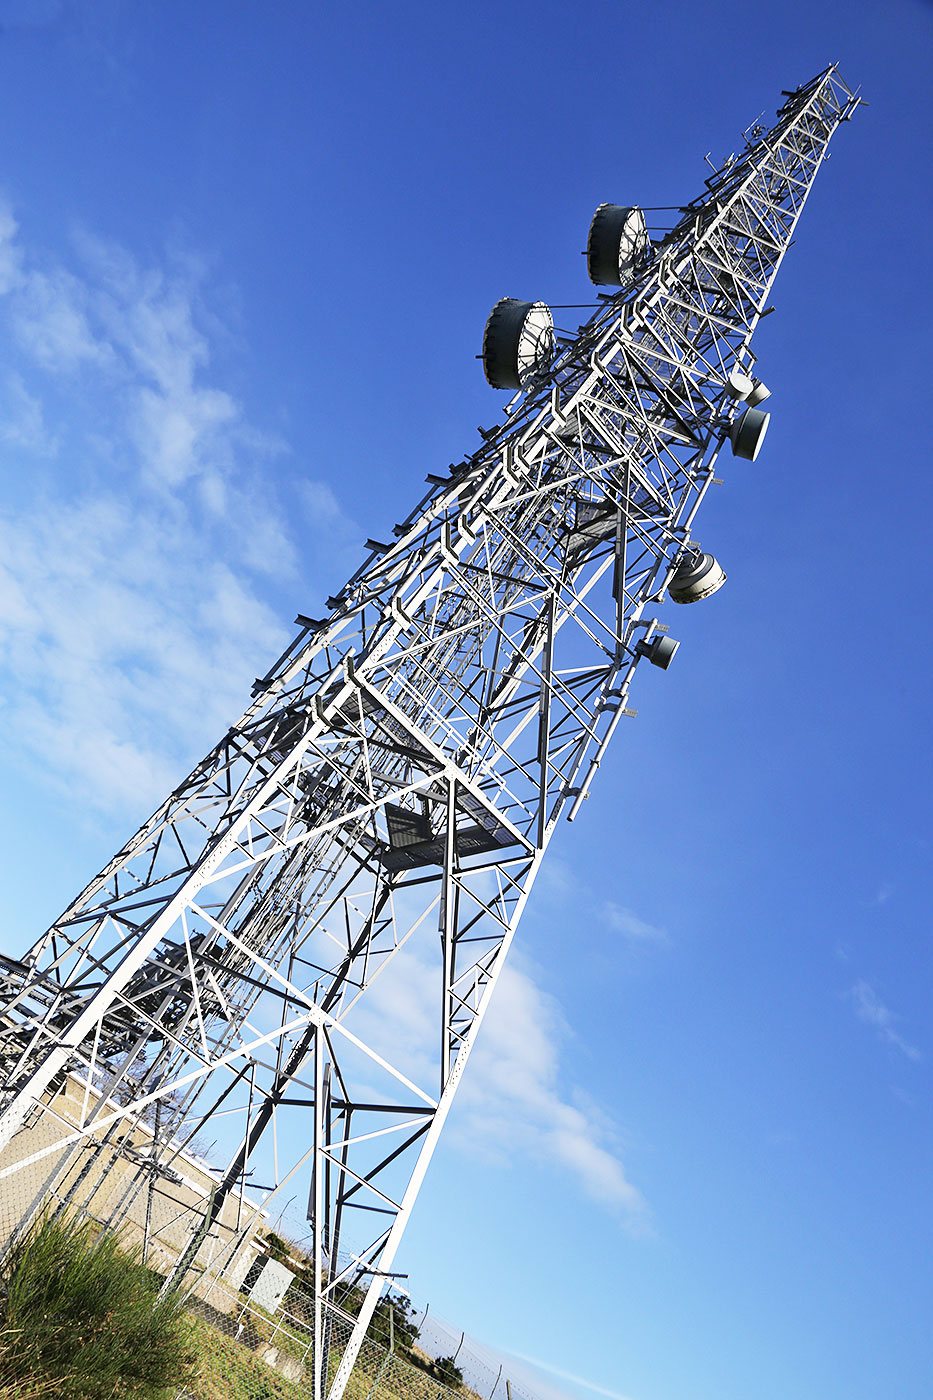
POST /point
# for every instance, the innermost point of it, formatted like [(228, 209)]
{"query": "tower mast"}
[(378, 815)]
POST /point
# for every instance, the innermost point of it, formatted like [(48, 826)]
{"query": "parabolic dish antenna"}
[(617, 244), (518, 342)]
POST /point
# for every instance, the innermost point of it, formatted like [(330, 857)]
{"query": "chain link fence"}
[(247, 1353), (126, 1178), (253, 1326)]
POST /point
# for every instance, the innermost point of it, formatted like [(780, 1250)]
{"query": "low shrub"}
[(447, 1371), (83, 1315)]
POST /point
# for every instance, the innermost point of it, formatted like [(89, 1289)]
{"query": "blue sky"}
[(246, 255)]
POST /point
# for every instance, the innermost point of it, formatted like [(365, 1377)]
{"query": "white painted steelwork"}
[(254, 956)]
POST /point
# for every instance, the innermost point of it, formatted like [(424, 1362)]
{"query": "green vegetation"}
[(279, 1249), (447, 1371), (26, 1390), (228, 1370), (265, 1357), (235, 1369), (81, 1317), (393, 1325)]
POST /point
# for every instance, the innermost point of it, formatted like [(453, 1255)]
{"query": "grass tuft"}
[(82, 1316)]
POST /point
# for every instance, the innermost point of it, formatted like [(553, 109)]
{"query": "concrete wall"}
[(115, 1186)]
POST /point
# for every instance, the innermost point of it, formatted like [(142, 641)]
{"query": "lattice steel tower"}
[(391, 790)]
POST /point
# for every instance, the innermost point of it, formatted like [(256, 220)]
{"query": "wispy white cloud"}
[(136, 329), (556, 879), (871, 1009), (133, 607), (10, 254), (123, 646), (22, 420), (51, 321), (568, 1376), (559, 883), (325, 518), (634, 929), (514, 1098)]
